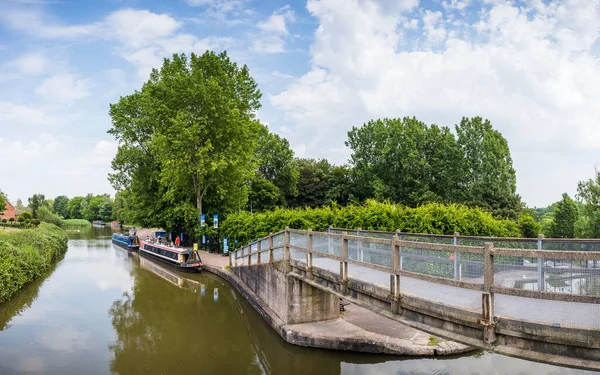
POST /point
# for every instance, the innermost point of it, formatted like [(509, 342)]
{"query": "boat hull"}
[(174, 265), (134, 248)]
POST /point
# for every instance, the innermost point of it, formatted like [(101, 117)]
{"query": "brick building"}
[(9, 211)]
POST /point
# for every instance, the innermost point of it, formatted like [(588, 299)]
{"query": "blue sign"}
[(216, 221), (202, 220), (203, 239), (225, 245), (181, 237)]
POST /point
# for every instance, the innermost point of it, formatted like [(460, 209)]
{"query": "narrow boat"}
[(182, 259), (98, 223), (129, 242)]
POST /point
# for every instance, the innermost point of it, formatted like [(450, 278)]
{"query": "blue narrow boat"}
[(129, 242)]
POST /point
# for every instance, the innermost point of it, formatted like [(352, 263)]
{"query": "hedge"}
[(432, 218), (27, 254)]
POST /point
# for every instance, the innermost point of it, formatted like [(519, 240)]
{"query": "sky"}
[(323, 66)]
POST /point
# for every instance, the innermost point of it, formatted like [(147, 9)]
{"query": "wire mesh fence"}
[(327, 244), (370, 252)]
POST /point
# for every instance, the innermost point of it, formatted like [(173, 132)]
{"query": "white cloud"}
[(138, 28), (31, 64), (64, 88), (14, 115), (33, 22), (273, 30), (533, 72)]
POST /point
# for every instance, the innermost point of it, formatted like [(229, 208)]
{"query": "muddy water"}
[(104, 310)]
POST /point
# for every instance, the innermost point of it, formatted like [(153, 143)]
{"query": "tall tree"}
[(75, 207), (565, 216), (35, 202), (61, 206), (589, 192), (187, 138), (2, 202), (488, 177), (313, 183), (19, 207), (405, 160), (276, 164)]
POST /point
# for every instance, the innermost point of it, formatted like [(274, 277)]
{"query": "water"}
[(104, 310)]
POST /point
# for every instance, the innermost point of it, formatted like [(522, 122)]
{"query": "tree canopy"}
[(565, 216), (187, 140), (410, 162)]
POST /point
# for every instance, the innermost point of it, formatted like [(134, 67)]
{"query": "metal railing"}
[(558, 287)]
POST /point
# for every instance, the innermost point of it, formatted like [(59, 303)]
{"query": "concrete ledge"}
[(336, 334)]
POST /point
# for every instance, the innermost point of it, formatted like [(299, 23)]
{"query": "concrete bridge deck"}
[(357, 324), (416, 284)]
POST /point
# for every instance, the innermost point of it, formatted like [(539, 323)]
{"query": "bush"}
[(27, 254), (529, 227), (35, 222), (21, 219), (26, 215), (44, 214), (433, 218), (12, 219), (4, 221)]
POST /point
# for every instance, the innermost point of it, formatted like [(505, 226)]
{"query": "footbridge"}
[(537, 299)]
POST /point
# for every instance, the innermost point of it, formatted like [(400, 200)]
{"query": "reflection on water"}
[(576, 284), (105, 310)]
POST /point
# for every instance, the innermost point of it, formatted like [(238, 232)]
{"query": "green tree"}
[(313, 183), (565, 216), (276, 163), (61, 206), (528, 226), (264, 195), (2, 202), (35, 202), (341, 185), (187, 139), (44, 214), (405, 160), (74, 207), (488, 179), (105, 209), (589, 192)]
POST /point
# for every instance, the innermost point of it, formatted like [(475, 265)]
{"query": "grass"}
[(433, 341), (77, 222)]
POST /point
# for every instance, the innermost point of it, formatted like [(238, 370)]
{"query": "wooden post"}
[(270, 247), (457, 270), (488, 267), (250, 254), (540, 265), (235, 257)]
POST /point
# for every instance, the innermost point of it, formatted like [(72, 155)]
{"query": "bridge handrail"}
[(486, 262)]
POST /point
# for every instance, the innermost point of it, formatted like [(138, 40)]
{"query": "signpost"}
[(225, 246), (202, 221), (216, 221)]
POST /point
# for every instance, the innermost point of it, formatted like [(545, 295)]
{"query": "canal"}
[(102, 310)]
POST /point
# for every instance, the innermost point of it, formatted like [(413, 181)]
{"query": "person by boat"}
[(177, 241)]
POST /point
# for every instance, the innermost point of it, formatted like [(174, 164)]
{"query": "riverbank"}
[(76, 223), (27, 254), (357, 329)]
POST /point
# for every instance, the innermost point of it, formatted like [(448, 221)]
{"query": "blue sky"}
[(323, 66)]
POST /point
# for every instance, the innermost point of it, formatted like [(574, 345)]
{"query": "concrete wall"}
[(292, 300)]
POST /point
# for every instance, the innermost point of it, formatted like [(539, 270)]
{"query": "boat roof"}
[(174, 249)]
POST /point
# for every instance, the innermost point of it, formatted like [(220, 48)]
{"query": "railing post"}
[(398, 233), (329, 230), (540, 265), (344, 264), (286, 249), (258, 252), (230, 262), (309, 254), (457, 267), (395, 276), (359, 249), (250, 254), (270, 247), (235, 257), (487, 298)]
